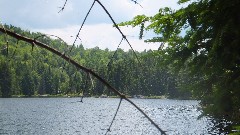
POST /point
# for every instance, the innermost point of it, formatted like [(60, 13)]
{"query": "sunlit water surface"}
[(68, 116)]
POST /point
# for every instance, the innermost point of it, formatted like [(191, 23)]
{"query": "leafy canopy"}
[(202, 48)]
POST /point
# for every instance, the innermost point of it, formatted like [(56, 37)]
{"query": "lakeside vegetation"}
[(31, 71), (201, 44), (203, 63)]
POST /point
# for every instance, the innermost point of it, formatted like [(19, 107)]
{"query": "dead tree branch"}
[(115, 25), (135, 2), (68, 59), (109, 129), (114, 53), (77, 36), (63, 7)]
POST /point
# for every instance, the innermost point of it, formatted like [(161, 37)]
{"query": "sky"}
[(44, 16)]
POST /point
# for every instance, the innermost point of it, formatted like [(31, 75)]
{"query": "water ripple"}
[(67, 116)]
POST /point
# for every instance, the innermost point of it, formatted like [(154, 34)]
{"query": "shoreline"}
[(102, 96)]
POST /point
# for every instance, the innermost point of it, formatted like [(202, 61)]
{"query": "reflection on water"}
[(71, 117)]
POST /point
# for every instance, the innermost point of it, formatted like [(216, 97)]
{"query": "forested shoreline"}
[(27, 70), (198, 59)]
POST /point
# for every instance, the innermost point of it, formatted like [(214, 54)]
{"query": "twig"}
[(85, 87), (46, 35), (136, 3), (108, 130), (115, 24), (77, 36), (47, 47), (162, 132), (62, 8), (115, 52)]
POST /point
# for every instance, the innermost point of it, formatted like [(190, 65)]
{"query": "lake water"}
[(68, 116)]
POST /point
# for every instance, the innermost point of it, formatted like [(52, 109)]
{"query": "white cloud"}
[(101, 35), (43, 16), (44, 13)]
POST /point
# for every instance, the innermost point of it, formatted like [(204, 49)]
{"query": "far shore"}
[(97, 96), (76, 96)]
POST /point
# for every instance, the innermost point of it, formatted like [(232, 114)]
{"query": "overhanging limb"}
[(87, 70)]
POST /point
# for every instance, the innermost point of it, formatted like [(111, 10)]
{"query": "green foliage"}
[(35, 71), (182, 1), (5, 79), (202, 48), (236, 130)]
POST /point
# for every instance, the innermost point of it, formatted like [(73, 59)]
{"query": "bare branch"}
[(115, 24), (108, 130), (77, 36), (63, 7), (114, 53), (135, 1), (68, 59), (49, 35), (85, 87)]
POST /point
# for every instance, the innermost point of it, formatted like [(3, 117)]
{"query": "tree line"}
[(199, 59), (27, 70)]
